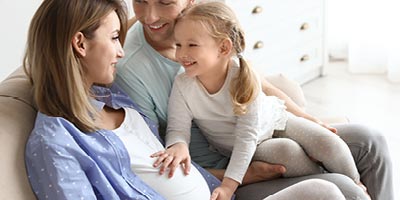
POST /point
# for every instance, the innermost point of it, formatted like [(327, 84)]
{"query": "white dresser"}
[(284, 36)]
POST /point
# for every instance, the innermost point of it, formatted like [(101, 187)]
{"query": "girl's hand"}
[(221, 193), (225, 190), (172, 157)]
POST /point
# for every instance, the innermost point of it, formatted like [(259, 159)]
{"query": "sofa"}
[(17, 116)]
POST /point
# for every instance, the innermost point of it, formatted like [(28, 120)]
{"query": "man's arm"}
[(131, 21), (291, 106)]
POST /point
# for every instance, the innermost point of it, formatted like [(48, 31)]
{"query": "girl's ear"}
[(78, 43), (225, 47), (191, 2)]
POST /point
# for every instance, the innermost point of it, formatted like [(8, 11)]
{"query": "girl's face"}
[(158, 17), (198, 52), (103, 51)]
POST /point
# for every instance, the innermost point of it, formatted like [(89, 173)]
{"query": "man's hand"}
[(327, 126), (172, 157)]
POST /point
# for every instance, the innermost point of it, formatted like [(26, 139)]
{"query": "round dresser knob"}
[(304, 58), (257, 9), (304, 26), (258, 45)]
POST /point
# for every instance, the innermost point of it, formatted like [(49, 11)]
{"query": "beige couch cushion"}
[(294, 91), (289, 87), (17, 115)]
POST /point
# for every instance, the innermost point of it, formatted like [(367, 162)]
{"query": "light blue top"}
[(64, 163), (147, 77)]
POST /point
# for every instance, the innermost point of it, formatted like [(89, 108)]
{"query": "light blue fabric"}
[(65, 163), (147, 77)]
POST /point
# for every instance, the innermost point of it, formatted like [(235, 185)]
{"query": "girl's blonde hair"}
[(221, 23), (58, 77)]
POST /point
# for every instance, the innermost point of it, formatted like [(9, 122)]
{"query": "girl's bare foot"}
[(262, 171)]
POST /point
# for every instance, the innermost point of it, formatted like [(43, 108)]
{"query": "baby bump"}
[(179, 187)]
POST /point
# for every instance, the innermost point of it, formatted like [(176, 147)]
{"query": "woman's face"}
[(158, 17), (103, 51)]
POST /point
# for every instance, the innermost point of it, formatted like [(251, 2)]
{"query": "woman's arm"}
[(53, 172)]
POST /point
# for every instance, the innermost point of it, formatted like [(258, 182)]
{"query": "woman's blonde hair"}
[(58, 77), (221, 23)]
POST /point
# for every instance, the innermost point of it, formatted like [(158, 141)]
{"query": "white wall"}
[(338, 27), (15, 17), (130, 8)]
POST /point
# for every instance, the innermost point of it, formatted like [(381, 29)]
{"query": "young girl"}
[(225, 100)]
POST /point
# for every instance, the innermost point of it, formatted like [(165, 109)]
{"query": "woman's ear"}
[(225, 47), (78, 43)]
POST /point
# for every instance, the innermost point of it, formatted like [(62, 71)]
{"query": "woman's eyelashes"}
[(166, 3), (116, 38), (140, 1)]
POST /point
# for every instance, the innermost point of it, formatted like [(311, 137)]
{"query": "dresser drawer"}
[(263, 12), (284, 36), (273, 38), (292, 62)]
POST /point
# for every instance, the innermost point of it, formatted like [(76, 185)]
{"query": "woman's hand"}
[(175, 155)]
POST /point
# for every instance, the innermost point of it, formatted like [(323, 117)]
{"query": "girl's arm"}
[(271, 90), (247, 133), (178, 134)]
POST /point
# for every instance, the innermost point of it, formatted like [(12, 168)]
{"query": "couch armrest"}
[(295, 92), (17, 117), (289, 87), (16, 122)]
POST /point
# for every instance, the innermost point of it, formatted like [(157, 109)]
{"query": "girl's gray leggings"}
[(311, 189), (304, 144)]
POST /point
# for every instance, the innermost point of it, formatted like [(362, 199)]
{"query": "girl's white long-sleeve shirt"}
[(230, 134)]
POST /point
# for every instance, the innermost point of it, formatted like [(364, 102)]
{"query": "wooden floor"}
[(366, 99)]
